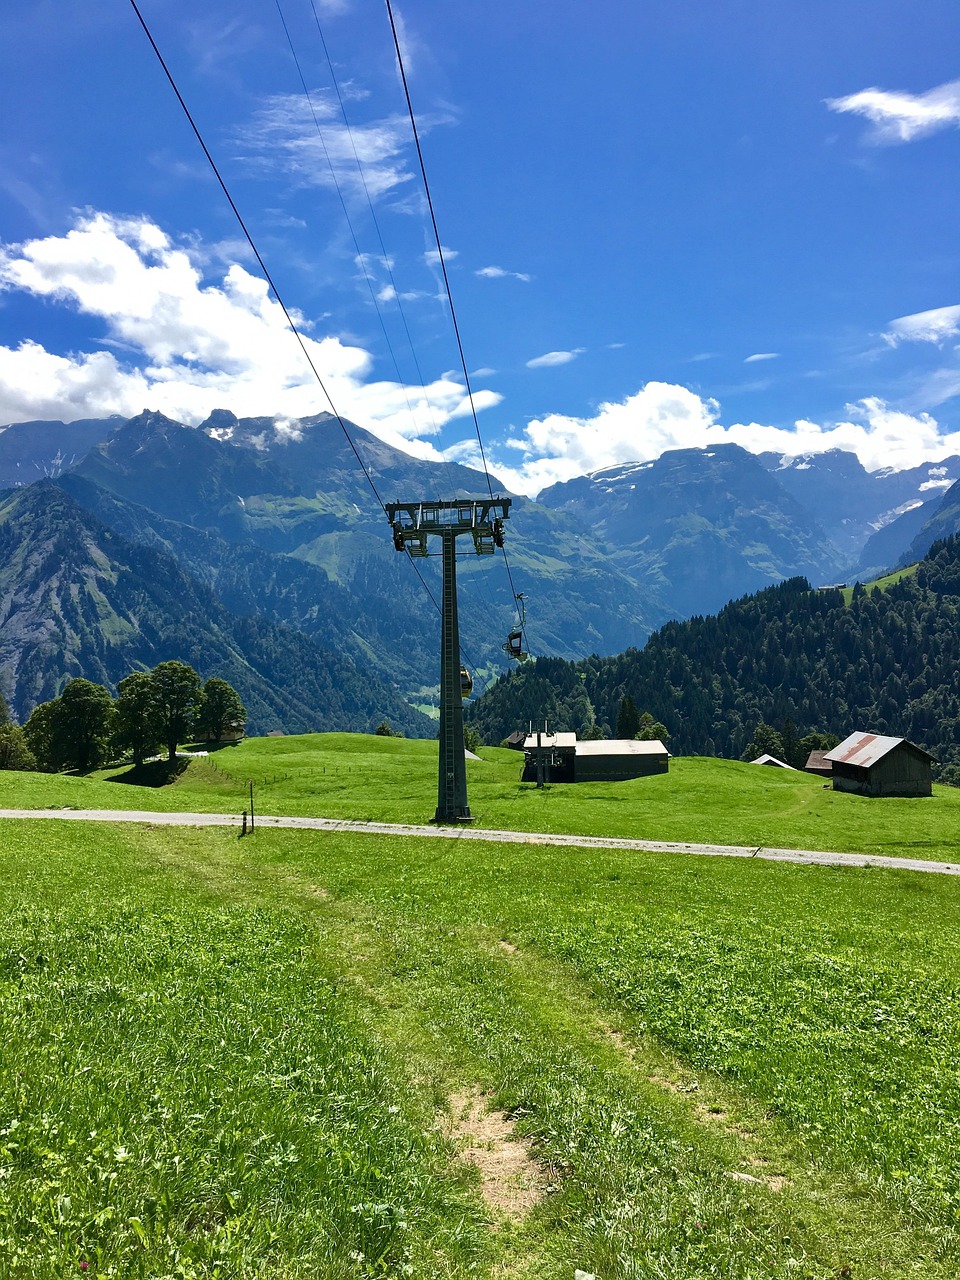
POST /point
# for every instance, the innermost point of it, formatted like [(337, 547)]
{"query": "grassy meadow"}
[(371, 779), (230, 1057)]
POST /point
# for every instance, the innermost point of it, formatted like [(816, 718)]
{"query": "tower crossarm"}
[(482, 518)]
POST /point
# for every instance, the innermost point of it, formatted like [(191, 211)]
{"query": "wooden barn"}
[(818, 763), (872, 765), (610, 760)]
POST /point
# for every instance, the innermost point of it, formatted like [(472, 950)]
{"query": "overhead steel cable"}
[(385, 256), (376, 223), (256, 252), (361, 256), (446, 283), (270, 281)]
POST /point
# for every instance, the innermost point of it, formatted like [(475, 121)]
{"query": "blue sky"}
[(667, 224)]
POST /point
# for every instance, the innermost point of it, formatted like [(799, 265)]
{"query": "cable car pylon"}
[(413, 523)]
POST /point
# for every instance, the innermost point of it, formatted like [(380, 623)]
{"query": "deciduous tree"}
[(766, 742), (14, 751), (178, 694), (221, 709), (650, 730), (136, 727), (84, 720)]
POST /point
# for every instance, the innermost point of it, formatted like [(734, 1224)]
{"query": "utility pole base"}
[(453, 817)]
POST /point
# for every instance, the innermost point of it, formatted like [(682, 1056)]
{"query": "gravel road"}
[(478, 833)]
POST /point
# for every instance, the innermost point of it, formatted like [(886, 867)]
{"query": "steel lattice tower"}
[(413, 523)]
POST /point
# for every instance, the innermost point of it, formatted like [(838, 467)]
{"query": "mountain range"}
[(261, 543)]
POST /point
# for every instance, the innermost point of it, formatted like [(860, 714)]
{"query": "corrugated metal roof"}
[(818, 760), (865, 749), (622, 747)]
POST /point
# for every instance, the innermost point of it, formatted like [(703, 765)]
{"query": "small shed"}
[(515, 740), (605, 760), (818, 763), (767, 758), (870, 764)]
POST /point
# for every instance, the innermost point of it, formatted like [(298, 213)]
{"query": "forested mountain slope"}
[(889, 662), (78, 599)]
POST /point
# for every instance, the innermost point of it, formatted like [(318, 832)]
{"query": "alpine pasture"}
[(276, 1055)]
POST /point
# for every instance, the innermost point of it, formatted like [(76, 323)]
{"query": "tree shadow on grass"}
[(155, 773)]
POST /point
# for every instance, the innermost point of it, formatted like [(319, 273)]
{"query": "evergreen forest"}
[(883, 660)]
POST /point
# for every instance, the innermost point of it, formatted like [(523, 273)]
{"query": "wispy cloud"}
[(500, 273), (924, 326), (901, 117), (762, 355), (283, 138), (552, 358)]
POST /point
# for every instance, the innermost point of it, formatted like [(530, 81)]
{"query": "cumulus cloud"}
[(194, 343), (500, 273), (553, 358), (925, 326), (662, 416), (762, 355), (902, 117)]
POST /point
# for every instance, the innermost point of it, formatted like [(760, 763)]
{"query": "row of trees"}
[(85, 726)]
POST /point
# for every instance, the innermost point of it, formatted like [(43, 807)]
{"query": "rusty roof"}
[(865, 749)]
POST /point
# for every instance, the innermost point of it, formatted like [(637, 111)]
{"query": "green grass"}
[(367, 778), (226, 1058), (884, 583)]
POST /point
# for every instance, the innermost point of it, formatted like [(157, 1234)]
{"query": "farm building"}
[(612, 760), (818, 763), (767, 758), (872, 765)]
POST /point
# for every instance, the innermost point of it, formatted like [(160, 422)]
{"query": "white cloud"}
[(197, 344), (661, 416), (284, 137), (762, 355), (902, 117), (552, 358), (925, 326), (500, 273), (432, 256)]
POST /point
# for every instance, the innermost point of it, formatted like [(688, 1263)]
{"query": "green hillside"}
[(80, 599), (886, 660), (371, 779), (306, 1055)]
